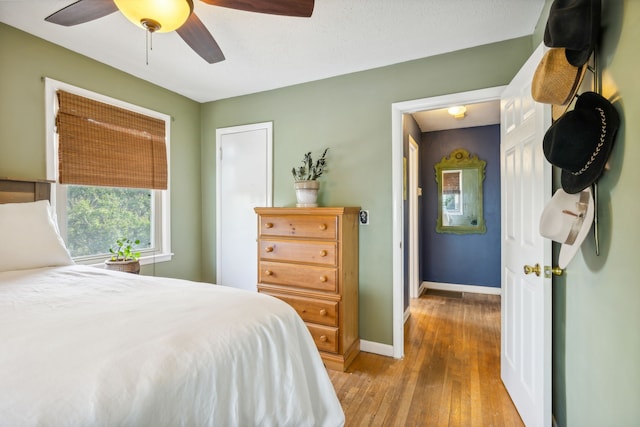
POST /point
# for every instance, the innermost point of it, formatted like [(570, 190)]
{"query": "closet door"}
[(244, 181)]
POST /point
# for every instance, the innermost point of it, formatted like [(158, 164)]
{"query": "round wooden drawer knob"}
[(323, 226), (268, 225), (323, 253), (323, 338), (323, 312), (323, 278), (269, 249), (268, 273)]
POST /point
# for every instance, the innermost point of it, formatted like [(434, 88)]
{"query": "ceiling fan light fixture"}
[(160, 16)]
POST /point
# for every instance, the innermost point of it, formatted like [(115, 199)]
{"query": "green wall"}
[(25, 59), (596, 338), (351, 114)]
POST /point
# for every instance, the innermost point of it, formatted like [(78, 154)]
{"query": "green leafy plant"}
[(310, 171), (124, 250)]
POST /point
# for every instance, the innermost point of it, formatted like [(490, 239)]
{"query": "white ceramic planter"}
[(307, 193)]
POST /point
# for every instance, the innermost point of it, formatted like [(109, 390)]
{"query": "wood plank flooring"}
[(450, 375)]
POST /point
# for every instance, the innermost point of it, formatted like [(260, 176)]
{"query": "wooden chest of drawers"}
[(308, 257)]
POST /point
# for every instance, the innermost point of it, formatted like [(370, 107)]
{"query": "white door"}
[(244, 181), (526, 298), (414, 249)]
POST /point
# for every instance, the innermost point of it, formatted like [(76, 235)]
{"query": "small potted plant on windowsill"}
[(306, 183), (124, 257)]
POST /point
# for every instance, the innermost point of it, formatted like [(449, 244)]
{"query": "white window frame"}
[(160, 208)]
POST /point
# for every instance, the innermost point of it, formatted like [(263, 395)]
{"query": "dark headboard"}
[(21, 191)]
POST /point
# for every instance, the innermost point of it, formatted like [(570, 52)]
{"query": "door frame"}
[(220, 132), (397, 110), (414, 237)]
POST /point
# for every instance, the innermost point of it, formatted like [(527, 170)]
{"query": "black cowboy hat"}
[(574, 25), (580, 141)]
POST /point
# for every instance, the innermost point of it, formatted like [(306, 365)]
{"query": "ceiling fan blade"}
[(82, 11), (300, 8), (196, 35)]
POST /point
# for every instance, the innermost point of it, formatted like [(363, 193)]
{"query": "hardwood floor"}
[(450, 375)]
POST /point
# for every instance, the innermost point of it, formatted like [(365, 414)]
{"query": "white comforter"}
[(81, 346)]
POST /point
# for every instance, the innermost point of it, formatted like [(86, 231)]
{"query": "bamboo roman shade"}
[(100, 144), (451, 182)]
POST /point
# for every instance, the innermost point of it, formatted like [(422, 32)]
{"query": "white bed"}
[(82, 346)]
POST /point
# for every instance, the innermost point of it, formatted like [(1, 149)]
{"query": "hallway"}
[(450, 375)]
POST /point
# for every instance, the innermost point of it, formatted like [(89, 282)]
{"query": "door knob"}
[(535, 269)]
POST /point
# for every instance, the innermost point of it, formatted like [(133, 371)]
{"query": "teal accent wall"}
[(25, 60), (351, 114)]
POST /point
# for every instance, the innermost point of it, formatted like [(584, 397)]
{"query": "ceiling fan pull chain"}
[(149, 44)]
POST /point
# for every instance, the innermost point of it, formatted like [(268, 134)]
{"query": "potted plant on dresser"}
[(306, 180), (124, 257)]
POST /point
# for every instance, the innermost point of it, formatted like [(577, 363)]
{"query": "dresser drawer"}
[(325, 337), (301, 276), (312, 310), (298, 251), (314, 226)]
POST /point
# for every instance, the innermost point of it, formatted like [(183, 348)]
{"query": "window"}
[(96, 201)]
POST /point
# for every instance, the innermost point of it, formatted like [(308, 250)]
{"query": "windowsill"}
[(144, 260)]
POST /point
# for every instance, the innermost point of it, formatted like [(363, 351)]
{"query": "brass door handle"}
[(535, 269), (556, 271)]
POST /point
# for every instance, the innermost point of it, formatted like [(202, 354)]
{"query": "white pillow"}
[(29, 237)]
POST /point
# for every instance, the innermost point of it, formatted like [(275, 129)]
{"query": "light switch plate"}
[(364, 217)]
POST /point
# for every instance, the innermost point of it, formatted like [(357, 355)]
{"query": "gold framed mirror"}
[(460, 178)]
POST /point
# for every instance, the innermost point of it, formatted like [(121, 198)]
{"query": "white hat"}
[(567, 219)]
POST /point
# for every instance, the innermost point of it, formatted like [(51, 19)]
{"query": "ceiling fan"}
[(176, 15)]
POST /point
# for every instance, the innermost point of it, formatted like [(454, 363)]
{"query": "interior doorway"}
[(397, 171)]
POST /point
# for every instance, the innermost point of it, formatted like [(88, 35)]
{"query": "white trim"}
[(397, 110), (407, 314), (162, 197), (376, 348), (474, 289), (414, 200), (422, 289)]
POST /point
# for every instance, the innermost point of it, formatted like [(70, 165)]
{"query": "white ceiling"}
[(266, 52), (480, 114)]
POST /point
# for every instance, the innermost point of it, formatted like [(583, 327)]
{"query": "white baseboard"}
[(407, 313), (387, 350), (475, 289), (376, 348)]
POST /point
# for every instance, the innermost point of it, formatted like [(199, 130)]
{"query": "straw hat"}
[(567, 219), (556, 81)]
